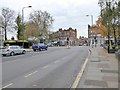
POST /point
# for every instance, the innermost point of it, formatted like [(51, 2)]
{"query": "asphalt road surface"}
[(55, 68)]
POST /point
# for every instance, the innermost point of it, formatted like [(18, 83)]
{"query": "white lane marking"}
[(30, 74), (78, 78), (45, 67), (56, 61), (34, 85), (6, 86)]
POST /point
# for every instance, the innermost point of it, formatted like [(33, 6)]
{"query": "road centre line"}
[(6, 86), (44, 67), (78, 78), (56, 61), (30, 74)]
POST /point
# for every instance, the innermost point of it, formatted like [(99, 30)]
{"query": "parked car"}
[(12, 50), (39, 46), (50, 45)]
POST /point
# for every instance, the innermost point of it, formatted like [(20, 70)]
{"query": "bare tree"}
[(9, 16), (43, 22), (30, 30)]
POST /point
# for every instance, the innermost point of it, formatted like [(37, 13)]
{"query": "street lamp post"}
[(118, 21), (91, 30), (101, 5), (108, 4), (23, 22)]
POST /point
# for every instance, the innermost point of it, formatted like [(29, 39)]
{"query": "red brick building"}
[(83, 40), (62, 34)]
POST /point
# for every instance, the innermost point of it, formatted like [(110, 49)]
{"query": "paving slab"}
[(96, 83), (101, 70)]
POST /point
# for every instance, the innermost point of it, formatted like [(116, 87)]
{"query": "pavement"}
[(101, 70), (29, 50)]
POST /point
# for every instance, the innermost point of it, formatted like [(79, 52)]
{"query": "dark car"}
[(39, 46)]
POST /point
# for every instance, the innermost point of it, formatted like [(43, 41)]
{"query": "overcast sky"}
[(67, 13)]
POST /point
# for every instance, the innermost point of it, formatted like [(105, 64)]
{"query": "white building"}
[(1, 31)]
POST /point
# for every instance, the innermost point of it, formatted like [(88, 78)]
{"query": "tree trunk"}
[(5, 34)]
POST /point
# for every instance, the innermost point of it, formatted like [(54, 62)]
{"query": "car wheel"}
[(24, 52), (34, 49), (40, 49), (12, 54), (3, 54)]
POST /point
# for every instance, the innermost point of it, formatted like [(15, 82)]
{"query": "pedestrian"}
[(92, 42), (68, 42), (95, 42)]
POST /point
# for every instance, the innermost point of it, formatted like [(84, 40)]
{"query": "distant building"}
[(1, 31), (62, 34), (96, 34), (83, 41)]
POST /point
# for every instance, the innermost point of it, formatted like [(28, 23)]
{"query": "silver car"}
[(12, 50)]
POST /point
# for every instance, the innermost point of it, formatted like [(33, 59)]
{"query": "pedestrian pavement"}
[(29, 50), (101, 70)]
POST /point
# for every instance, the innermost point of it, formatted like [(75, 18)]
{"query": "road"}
[(55, 68)]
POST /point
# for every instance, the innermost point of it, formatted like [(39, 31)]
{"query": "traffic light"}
[(67, 39), (88, 26)]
